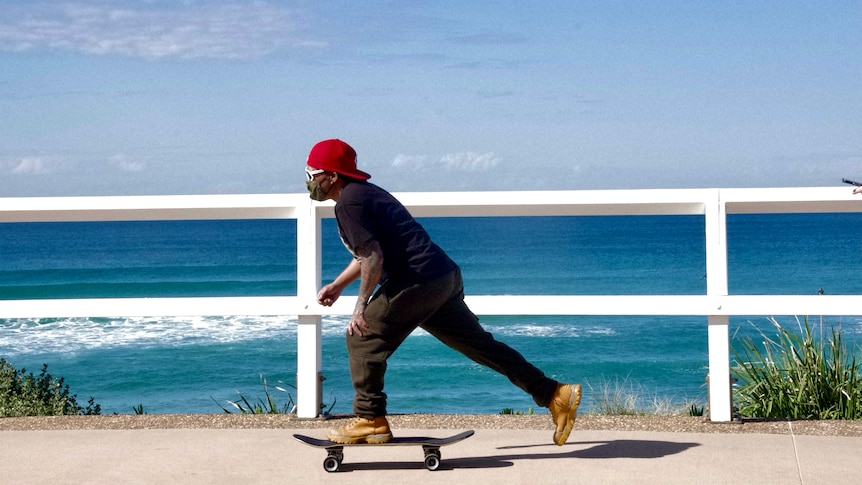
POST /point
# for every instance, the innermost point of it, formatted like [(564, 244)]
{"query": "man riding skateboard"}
[(417, 285)]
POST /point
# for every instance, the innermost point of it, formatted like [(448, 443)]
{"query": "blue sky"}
[(205, 97)]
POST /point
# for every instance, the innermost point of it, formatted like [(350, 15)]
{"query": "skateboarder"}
[(417, 284)]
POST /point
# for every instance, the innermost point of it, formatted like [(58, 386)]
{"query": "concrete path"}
[(192, 456)]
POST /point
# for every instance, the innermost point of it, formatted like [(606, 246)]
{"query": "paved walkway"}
[(192, 456)]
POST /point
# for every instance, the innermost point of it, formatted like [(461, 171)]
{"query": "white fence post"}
[(718, 336), (308, 331), (719, 369)]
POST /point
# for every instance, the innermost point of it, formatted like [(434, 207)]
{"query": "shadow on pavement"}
[(617, 449), (596, 450)]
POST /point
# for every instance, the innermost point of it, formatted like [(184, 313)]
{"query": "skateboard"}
[(431, 447)]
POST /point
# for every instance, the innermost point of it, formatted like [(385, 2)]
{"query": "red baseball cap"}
[(335, 156)]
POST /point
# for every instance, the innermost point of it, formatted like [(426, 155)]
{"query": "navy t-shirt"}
[(365, 212)]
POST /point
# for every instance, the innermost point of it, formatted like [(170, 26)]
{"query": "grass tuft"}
[(511, 411), (267, 404), (629, 398), (264, 405)]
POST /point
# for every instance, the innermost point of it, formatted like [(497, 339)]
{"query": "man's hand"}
[(328, 294), (357, 324)]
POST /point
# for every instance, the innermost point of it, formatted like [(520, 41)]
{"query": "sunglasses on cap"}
[(310, 174)]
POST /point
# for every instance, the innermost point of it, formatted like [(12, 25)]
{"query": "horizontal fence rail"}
[(712, 204), (625, 305)]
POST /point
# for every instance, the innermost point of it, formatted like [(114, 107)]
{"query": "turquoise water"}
[(194, 365)]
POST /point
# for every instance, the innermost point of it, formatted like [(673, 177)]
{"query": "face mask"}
[(315, 192)]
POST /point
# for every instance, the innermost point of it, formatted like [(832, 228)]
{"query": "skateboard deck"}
[(430, 446)]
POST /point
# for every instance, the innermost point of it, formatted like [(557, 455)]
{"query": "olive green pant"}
[(437, 307)]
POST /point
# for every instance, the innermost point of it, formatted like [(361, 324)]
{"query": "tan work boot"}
[(362, 430), (564, 407)]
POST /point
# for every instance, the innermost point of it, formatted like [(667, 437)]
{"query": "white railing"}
[(713, 204)]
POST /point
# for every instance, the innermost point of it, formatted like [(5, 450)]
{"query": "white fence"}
[(713, 204)]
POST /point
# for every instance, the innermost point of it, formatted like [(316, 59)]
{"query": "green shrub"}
[(798, 376), (23, 394)]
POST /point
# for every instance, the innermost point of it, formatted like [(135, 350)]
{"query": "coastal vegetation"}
[(23, 394), (627, 397), (511, 411), (799, 375), (264, 405), (268, 403)]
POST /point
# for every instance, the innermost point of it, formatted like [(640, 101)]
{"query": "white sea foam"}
[(64, 335), (36, 336), (31, 336), (547, 331)]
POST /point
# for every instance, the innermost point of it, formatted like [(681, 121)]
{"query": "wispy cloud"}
[(44, 164), (462, 161), (152, 30), (470, 161), (30, 165), (414, 162), (127, 164)]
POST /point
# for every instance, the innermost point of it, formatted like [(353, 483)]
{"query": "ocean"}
[(197, 365)]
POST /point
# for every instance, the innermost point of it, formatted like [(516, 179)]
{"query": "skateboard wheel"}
[(331, 463), (432, 461)]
